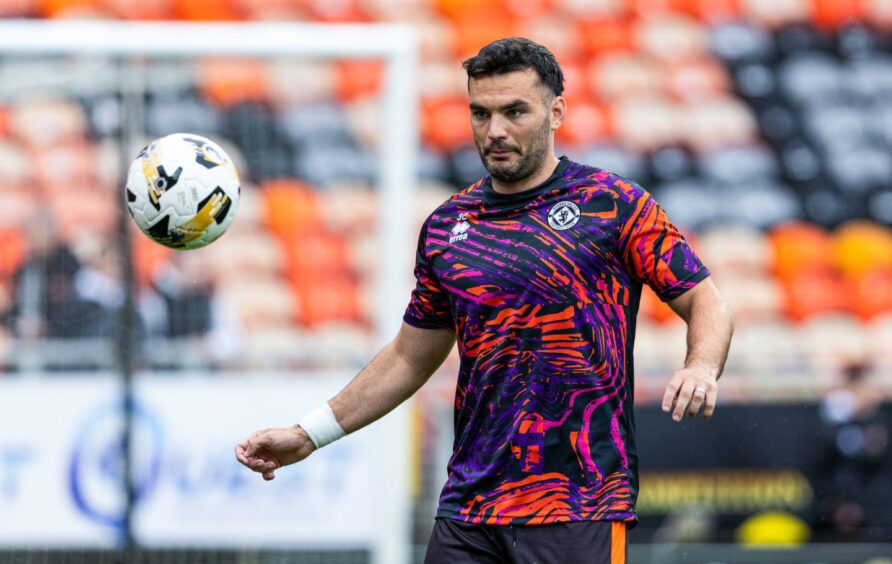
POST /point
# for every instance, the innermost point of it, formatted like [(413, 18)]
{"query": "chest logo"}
[(460, 230), (563, 215)]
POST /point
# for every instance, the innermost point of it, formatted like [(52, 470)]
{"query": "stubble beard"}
[(527, 164)]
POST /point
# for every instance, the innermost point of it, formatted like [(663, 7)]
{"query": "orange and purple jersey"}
[(542, 290)]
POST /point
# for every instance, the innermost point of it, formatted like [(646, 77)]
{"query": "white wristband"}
[(321, 426)]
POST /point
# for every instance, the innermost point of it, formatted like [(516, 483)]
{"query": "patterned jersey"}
[(542, 290)]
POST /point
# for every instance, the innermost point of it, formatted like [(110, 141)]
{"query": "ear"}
[(558, 110)]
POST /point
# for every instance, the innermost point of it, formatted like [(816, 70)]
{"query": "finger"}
[(268, 476), (709, 407), (252, 444), (240, 454), (684, 397), (671, 392), (698, 396)]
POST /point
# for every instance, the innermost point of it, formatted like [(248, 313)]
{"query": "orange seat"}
[(800, 247), (655, 309), (140, 9), (711, 10), (357, 79), (289, 206), (206, 10), (445, 123), (586, 123), (12, 252), (329, 299), (860, 247), (148, 256), (575, 83), (835, 13), (872, 294), (621, 76), (5, 122), (64, 8), (813, 293), (476, 31), (342, 11), (226, 82), (600, 36)]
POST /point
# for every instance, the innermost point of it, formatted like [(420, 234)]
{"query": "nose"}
[(497, 128)]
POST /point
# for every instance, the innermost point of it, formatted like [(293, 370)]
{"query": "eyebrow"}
[(504, 107)]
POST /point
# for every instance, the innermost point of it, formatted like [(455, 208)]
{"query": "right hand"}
[(270, 449)]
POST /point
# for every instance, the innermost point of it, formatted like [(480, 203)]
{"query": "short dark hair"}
[(516, 54)]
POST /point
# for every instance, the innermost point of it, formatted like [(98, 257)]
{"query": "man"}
[(537, 270)]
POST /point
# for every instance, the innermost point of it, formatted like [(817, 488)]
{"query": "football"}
[(182, 191)]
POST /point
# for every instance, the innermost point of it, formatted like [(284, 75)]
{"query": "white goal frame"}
[(397, 46)]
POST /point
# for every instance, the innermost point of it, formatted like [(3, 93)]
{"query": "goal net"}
[(211, 344)]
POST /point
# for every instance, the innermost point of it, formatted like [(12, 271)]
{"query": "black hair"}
[(516, 54)]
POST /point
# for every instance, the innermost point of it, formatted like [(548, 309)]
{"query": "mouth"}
[(500, 153)]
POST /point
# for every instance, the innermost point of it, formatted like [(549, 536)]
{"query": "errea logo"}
[(460, 229)]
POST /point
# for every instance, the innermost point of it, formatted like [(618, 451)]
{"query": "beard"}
[(528, 163)]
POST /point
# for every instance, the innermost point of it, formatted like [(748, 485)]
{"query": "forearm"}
[(395, 373), (710, 326)]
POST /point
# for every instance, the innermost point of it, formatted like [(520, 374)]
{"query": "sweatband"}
[(321, 426)]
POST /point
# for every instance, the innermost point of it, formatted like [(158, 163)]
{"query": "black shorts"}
[(588, 542)]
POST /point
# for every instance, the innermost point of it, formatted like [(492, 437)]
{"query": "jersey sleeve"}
[(654, 251), (429, 305)]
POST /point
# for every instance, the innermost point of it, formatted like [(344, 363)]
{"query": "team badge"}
[(563, 215)]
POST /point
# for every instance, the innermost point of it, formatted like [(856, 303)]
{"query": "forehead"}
[(499, 88)]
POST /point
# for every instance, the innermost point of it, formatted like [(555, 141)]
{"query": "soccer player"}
[(536, 270)]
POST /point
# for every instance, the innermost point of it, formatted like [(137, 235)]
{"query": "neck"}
[(546, 170)]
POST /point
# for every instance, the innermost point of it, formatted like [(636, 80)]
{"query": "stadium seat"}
[(739, 164), (356, 79), (43, 122), (872, 294), (605, 35), (692, 204), (556, 31), (879, 206), (621, 76), (673, 37), (799, 248), (710, 124), (139, 9), (646, 124), (206, 10), (227, 82), (260, 301), (13, 251), (445, 124), (833, 341), (293, 82), (696, 79), (742, 41), (324, 124), (290, 206), (834, 14), (616, 159), (589, 124), (810, 294), (761, 203), (735, 250), (15, 167), (860, 247)]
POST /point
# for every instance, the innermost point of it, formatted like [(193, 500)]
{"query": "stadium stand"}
[(762, 126)]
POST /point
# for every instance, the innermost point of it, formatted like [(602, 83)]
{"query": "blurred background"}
[(763, 126)]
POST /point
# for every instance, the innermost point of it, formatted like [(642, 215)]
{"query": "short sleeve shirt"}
[(542, 290)]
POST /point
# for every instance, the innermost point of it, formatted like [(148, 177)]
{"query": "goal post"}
[(397, 154)]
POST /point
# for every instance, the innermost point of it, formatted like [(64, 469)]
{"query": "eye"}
[(514, 113), (479, 115)]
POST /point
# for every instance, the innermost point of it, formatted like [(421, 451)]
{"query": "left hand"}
[(689, 390)]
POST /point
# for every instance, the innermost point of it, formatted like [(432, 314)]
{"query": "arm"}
[(395, 373), (709, 335)]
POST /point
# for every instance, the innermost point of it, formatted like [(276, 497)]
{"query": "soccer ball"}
[(182, 191)]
